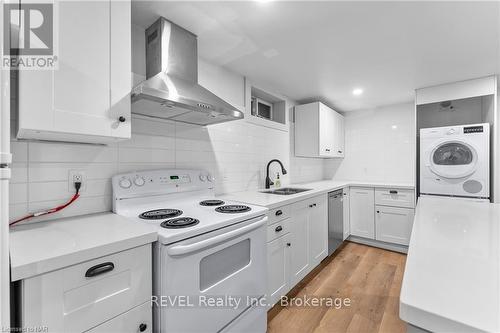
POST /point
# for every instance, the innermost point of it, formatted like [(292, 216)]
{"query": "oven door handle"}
[(180, 250)]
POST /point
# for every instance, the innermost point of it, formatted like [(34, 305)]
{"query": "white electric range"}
[(210, 259)]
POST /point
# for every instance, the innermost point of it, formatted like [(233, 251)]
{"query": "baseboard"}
[(380, 244)]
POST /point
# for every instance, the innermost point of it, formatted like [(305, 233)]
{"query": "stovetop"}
[(178, 203), (163, 214)]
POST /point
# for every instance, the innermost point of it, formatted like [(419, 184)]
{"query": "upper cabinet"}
[(319, 131), (85, 99)]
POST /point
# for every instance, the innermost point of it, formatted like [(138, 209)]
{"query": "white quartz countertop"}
[(268, 200), (46, 246), (452, 277)]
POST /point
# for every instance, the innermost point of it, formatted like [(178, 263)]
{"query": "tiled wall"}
[(235, 152), (380, 146)]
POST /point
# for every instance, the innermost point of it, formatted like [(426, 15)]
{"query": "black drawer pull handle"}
[(327, 149), (288, 244), (393, 192), (311, 206), (278, 228), (314, 205), (122, 119), (100, 269), (279, 212), (143, 327)]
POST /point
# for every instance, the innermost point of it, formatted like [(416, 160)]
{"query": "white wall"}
[(380, 146), (235, 152)]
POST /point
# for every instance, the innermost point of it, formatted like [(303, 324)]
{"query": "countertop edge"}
[(31, 269), (287, 200)]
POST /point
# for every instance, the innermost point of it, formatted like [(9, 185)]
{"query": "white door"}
[(361, 212), (318, 230), (346, 201), (299, 249), (394, 224), (278, 270)]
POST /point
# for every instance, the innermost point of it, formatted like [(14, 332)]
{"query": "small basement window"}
[(267, 106)]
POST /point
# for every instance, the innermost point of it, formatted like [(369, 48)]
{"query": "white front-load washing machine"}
[(455, 161)]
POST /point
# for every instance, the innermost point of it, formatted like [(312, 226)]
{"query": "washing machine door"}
[(453, 159)]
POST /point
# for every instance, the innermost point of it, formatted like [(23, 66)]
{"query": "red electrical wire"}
[(46, 212)]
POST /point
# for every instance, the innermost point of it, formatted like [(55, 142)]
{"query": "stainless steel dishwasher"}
[(335, 220)]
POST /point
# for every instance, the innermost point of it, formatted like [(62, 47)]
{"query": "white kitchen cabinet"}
[(318, 230), (80, 297), (297, 242), (393, 224), (319, 131), (362, 203), (299, 250), (309, 236), (347, 231), (340, 135), (137, 320), (278, 273), (86, 99)]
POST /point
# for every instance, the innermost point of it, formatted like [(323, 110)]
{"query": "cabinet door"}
[(340, 135), (73, 102), (362, 211), (299, 249), (318, 230), (326, 131), (394, 224), (346, 200), (278, 271), (138, 319)]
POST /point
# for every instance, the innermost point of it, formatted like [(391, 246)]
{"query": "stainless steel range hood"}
[(171, 90)]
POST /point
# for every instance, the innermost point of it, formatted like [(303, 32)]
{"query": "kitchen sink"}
[(287, 191)]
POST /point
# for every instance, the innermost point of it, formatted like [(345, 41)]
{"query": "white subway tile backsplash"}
[(236, 153), (59, 152), (18, 193), (61, 190), (144, 155)]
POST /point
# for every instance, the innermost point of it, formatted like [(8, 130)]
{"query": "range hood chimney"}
[(171, 90)]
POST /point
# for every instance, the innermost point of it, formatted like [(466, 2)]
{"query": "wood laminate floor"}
[(370, 277)]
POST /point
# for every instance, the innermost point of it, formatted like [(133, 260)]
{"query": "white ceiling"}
[(322, 50)]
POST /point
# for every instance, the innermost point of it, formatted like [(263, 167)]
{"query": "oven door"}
[(209, 280)]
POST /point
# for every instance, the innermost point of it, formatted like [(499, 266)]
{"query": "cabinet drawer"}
[(82, 296), (394, 197), (278, 214), (393, 224), (278, 229), (138, 319)]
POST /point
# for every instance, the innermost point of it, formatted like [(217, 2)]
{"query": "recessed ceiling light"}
[(357, 91)]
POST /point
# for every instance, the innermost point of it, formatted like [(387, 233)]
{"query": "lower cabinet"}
[(362, 202), (278, 261), (291, 256), (346, 206), (393, 224), (136, 320), (87, 295), (299, 249), (382, 214)]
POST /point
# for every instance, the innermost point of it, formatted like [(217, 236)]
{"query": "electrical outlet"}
[(74, 177)]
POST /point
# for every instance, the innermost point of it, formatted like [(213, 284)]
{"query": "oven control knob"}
[(125, 183), (139, 181), (203, 178), (210, 178)]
